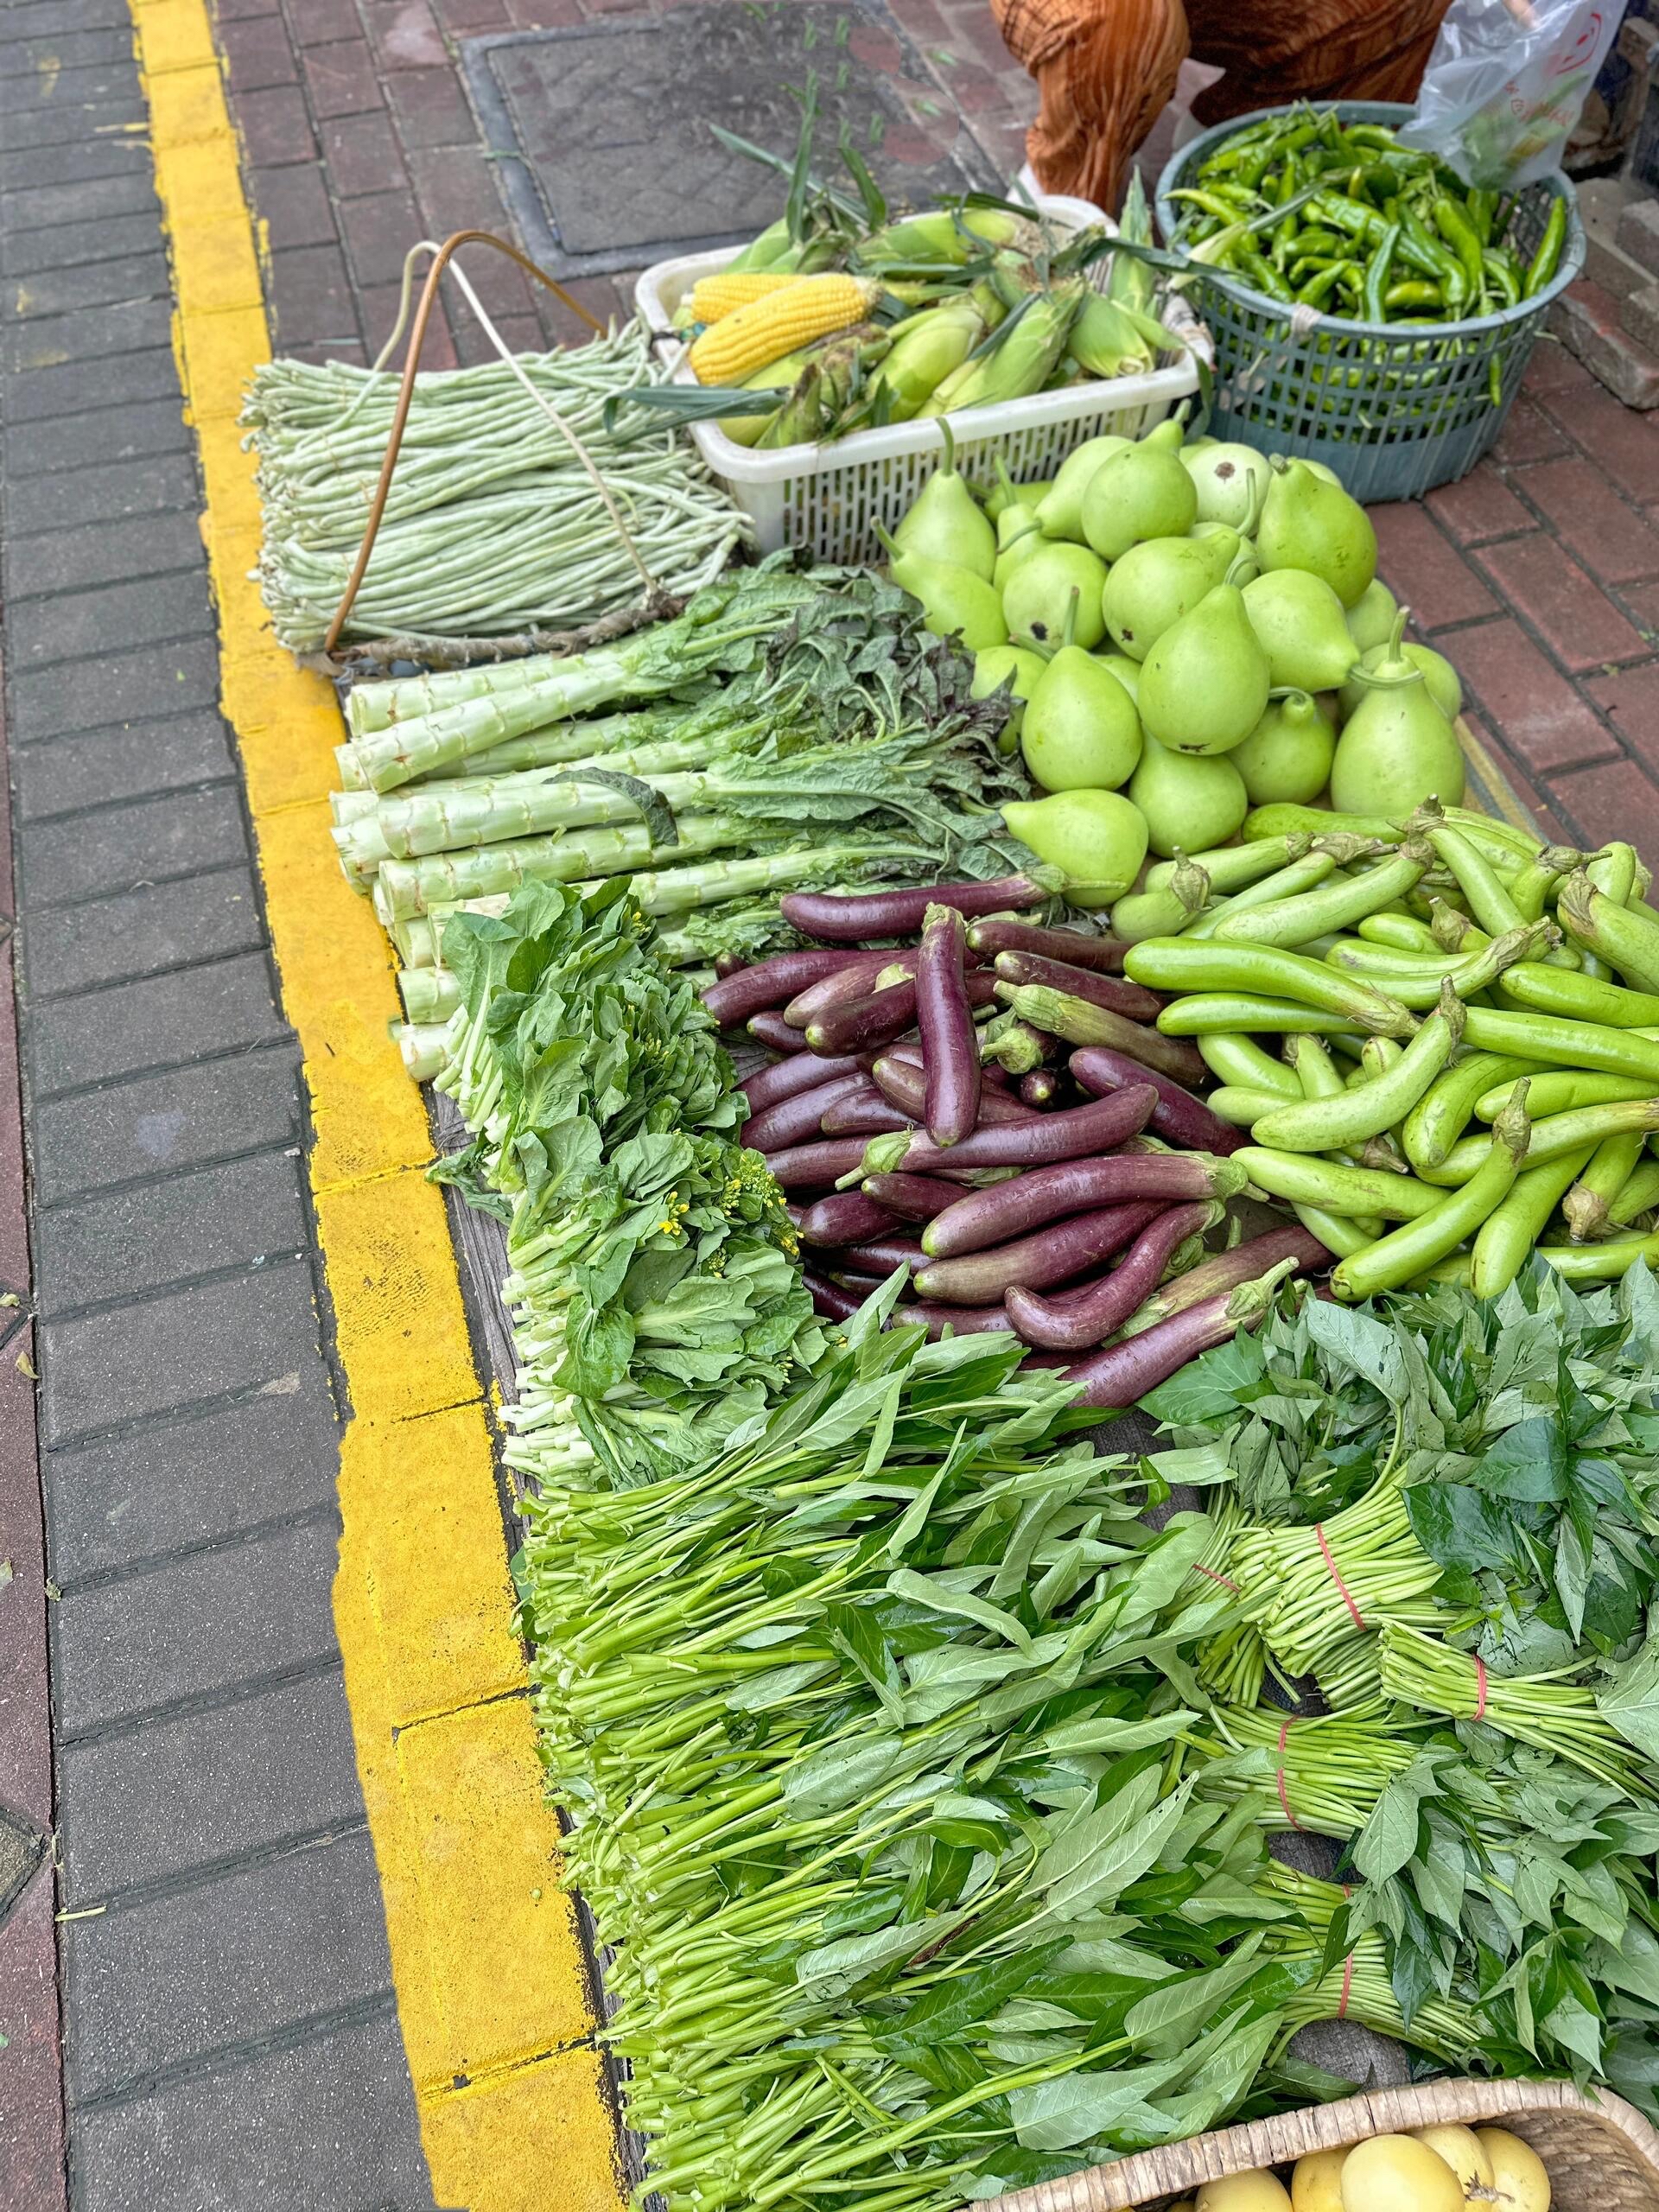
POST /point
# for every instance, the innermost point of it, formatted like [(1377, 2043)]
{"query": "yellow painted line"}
[(491, 1991)]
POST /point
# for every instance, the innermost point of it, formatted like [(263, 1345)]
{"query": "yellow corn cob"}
[(747, 340), (713, 298)]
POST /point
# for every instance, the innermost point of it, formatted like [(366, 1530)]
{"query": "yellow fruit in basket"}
[(1520, 2181), (1260, 2192), (1396, 2173), (1462, 2150), (1316, 2185)]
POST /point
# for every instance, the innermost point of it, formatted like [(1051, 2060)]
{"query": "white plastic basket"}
[(830, 498)]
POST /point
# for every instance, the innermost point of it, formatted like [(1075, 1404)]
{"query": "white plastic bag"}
[(1505, 84)]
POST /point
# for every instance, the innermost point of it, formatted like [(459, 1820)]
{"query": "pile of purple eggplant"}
[(919, 1117)]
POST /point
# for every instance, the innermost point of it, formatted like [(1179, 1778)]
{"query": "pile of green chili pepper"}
[(1343, 218)]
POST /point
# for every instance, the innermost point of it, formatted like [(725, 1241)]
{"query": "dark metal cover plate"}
[(602, 129)]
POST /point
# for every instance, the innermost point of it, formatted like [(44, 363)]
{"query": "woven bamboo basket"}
[(1601, 2154)]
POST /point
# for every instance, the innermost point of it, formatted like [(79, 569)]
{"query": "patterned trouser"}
[(1106, 68)]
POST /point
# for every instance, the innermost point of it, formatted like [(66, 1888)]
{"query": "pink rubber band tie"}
[(1279, 1776), (1347, 1598), (1480, 1688), (1224, 1581)]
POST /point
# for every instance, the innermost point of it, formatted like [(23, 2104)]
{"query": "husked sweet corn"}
[(713, 298), (747, 340)]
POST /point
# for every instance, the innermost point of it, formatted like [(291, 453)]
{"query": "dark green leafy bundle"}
[(870, 1735), (657, 1305)]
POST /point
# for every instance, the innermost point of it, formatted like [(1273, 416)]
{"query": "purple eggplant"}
[(950, 1048), (1080, 1319), (768, 1086), (797, 1120), (1178, 1117), (902, 1082), (845, 1217), (854, 978), (771, 1029), (961, 1320), (854, 920), (1103, 954), (733, 999), (863, 1025), (1055, 1255), (1040, 1088), (728, 964), (1072, 1133), (829, 1299), (1133, 1000), (987, 1217), (816, 1166), (863, 1113), (912, 1198), (1116, 1377), (881, 1255), (1224, 1271)]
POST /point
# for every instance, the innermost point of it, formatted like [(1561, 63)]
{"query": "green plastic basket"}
[(1395, 412)]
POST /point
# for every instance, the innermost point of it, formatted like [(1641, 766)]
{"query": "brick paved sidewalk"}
[(229, 2030)]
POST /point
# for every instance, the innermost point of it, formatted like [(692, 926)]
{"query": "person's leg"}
[(1105, 69), (1311, 50)]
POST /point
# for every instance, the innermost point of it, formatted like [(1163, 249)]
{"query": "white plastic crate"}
[(830, 498)]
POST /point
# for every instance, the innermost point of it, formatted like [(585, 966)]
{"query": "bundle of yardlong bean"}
[(494, 522)]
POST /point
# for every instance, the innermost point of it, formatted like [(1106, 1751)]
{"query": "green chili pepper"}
[(1547, 259), (1499, 273), (1460, 234), (1414, 292), (1374, 134), (1430, 258), (1257, 270), (1223, 201), (1376, 276), (1318, 289)]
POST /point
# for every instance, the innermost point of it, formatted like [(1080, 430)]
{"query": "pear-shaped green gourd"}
[(1231, 481), (1060, 509), (1299, 622), (1371, 616), (1158, 581), (1141, 493), (945, 522), (1240, 549), (1038, 595), (1127, 671), (1081, 728), (1187, 802), (1309, 522), (956, 603), (1019, 535), (1396, 748), (1020, 670), (1445, 687), (1096, 839), (1205, 683), (1287, 757)]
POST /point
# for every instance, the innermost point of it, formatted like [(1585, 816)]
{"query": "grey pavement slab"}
[(71, 560), (132, 933), (107, 618), (85, 855), (132, 760), (68, 164), (50, 292), (81, 386), (125, 687), (150, 1235), (74, 121), (117, 328), (66, 243), (314, 2126), (118, 434), (175, 1349), (246, 1610), (163, 1021), (51, 18), (127, 1132), (167, 1979), (72, 498), (90, 86), (89, 200), (207, 1787), (190, 1482)]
